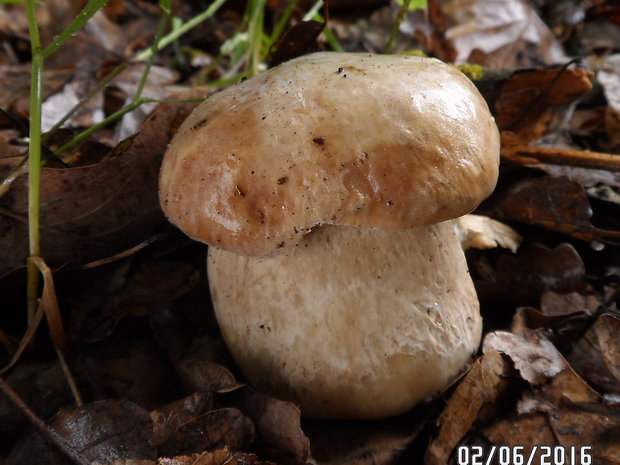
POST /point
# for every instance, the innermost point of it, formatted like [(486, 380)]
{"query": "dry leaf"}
[(203, 375), (167, 420), (107, 295), (481, 387), (558, 204), (558, 304), (15, 84), (103, 432), (218, 457), (535, 358), (209, 431), (609, 77), (596, 357), (562, 330), (499, 33), (128, 365), (365, 442), (521, 279), (91, 212), (482, 232), (278, 424), (42, 386)]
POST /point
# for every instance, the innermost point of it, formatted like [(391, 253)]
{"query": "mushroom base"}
[(352, 323)]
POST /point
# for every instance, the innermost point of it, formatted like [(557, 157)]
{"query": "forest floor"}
[(122, 360)]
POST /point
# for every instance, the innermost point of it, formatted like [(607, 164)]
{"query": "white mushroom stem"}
[(353, 322)]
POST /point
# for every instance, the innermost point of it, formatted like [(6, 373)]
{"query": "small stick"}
[(583, 158), (47, 432)]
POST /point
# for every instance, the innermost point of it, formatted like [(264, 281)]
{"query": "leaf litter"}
[(158, 383)]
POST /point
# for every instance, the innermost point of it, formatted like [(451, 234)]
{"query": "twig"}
[(584, 158), (47, 432)]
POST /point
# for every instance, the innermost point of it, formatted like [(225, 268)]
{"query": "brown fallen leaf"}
[(558, 204), (107, 295), (527, 94), (91, 212), (278, 424), (128, 365), (558, 409), (103, 432), (503, 34), (535, 358), (42, 386), (167, 420), (295, 42), (561, 304), (566, 413), (521, 279), (218, 457), (596, 357), (483, 385), (203, 375), (195, 348), (365, 442), (562, 330), (15, 84), (226, 427)]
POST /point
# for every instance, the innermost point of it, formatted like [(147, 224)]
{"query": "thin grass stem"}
[(176, 33), (34, 156), (92, 7), (400, 16)]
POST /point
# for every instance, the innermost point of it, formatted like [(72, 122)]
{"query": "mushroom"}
[(324, 188)]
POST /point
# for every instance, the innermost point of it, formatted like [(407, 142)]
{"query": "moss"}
[(473, 72)]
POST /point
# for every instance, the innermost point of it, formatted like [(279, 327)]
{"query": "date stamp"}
[(520, 455)]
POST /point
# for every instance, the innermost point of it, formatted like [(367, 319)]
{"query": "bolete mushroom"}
[(323, 187)]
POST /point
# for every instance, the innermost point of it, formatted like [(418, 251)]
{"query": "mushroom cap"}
[(353, 323), (391, 142)]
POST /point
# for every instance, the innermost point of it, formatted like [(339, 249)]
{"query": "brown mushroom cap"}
[(353, 139)]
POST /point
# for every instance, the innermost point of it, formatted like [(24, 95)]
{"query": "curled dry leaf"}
[(564, 412), (499, 33), (563, 330), (203, 375), (295, 42), (168, 419), (558, 409), (527, 94), (557, 304), (278, 424), (482, 232), (536, 358), (609, 77), (481, 388)]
